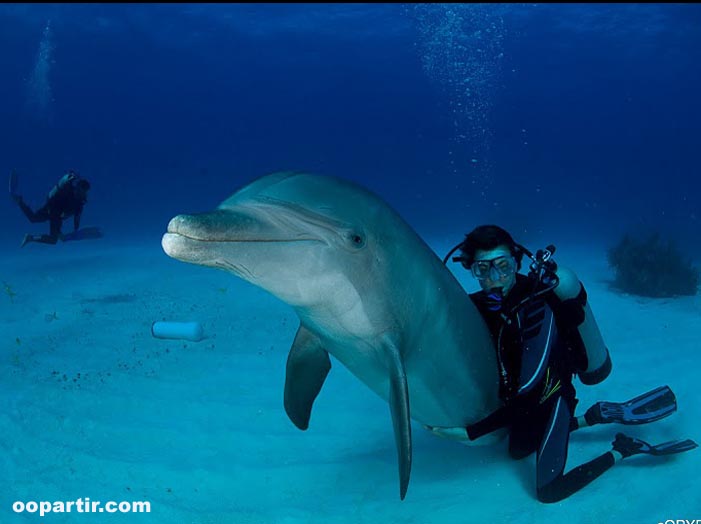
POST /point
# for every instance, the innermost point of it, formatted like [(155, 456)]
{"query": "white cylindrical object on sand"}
[(178, 330)]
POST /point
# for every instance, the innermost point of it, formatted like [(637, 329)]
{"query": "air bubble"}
[(463, 60), (39, 93)]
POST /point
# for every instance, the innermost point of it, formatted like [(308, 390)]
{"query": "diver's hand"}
[(459, 434)]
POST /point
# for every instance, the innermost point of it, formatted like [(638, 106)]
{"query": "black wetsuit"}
[(539, 350), (62, 203)]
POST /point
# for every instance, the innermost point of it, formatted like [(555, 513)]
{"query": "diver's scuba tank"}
[(598, 359), (66, 179)]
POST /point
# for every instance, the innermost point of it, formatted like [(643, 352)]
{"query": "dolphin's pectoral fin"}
[(399, 405), (307, 366)]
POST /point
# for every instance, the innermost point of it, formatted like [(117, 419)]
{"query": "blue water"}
[(570, 124), (586, 121)]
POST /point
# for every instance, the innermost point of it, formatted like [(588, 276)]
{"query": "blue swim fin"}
[(648, 407), (83, 233), (628, 446)]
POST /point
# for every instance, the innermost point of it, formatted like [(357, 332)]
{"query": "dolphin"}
[(367, 290)]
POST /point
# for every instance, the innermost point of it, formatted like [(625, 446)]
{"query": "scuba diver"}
[(66, 199), (544, 334)]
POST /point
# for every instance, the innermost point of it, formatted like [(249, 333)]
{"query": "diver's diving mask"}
[(493, 269)]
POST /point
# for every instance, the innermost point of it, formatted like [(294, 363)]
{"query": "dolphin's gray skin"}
[(366, 289)]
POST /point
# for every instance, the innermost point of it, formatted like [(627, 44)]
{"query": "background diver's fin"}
[(648, 407), (13, 183), (307, 366), (84, 233)]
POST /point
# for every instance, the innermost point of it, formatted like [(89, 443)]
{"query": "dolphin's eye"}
[(356, 239)]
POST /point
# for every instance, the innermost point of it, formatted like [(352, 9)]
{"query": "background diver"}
[(66, 199), (544, 334)]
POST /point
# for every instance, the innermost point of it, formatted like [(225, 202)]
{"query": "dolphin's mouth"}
[(183, 226), (194, 238), (188, 237)]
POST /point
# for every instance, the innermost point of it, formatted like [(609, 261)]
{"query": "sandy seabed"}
[(92, 406)]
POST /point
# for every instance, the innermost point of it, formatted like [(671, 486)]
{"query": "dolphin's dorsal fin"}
[(401, 421), (307, 366)]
